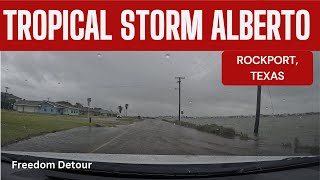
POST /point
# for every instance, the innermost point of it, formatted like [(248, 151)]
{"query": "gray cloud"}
[(145, 80)]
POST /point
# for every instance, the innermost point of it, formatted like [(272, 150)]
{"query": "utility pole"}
[(179, 81), (5, 98), (256, 125), (89, 101)]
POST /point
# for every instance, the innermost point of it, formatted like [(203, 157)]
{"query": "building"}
[(92, 111), (97, 112), (108, 113), (27, 106), (46, 107)]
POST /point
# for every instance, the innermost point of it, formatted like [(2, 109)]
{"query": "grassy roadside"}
[(17, 126), (212, 129)]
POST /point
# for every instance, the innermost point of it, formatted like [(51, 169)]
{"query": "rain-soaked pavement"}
[(151, 136)]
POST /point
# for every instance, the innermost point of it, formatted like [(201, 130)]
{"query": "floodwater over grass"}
[(17, 126), (280, 132)]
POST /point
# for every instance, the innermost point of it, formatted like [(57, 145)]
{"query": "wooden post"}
[(179, 81), (256, 125), (89, 101)]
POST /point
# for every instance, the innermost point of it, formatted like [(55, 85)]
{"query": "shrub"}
[(228, 132), (244, 136), (209, 128)]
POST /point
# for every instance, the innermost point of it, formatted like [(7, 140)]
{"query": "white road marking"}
[(111, 140)]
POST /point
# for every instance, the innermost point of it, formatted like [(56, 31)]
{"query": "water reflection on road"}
[(151, 136)]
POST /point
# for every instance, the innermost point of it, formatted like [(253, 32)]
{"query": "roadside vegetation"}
[(16, 126), (212, 129)]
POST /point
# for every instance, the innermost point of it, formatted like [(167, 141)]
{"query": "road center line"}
[(111, 140)]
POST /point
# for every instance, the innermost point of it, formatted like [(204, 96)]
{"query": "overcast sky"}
[(145, 80)]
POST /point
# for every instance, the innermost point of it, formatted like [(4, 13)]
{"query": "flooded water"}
[(274, 131)]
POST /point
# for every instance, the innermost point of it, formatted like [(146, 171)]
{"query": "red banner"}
[(155, 25), (267, 68)]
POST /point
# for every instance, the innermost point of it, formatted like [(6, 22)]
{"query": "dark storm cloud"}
[(145, 80)]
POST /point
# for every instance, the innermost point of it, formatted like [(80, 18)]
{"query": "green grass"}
[(17, 126)]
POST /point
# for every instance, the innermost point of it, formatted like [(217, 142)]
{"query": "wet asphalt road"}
[(150, 136)]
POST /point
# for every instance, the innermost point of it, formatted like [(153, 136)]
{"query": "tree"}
[(120, 109), (126, 106)]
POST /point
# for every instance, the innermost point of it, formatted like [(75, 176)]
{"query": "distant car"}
[(119, 116)]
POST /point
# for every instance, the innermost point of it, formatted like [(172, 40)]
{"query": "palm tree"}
[(126, 106), (120, 109)]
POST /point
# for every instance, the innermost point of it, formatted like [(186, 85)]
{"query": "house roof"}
[(28, 103), (64, 103), (53, 104), (86, 109), (67, 106), (38, 103), (57, 104)]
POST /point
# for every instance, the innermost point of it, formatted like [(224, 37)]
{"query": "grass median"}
[(16, 126)]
